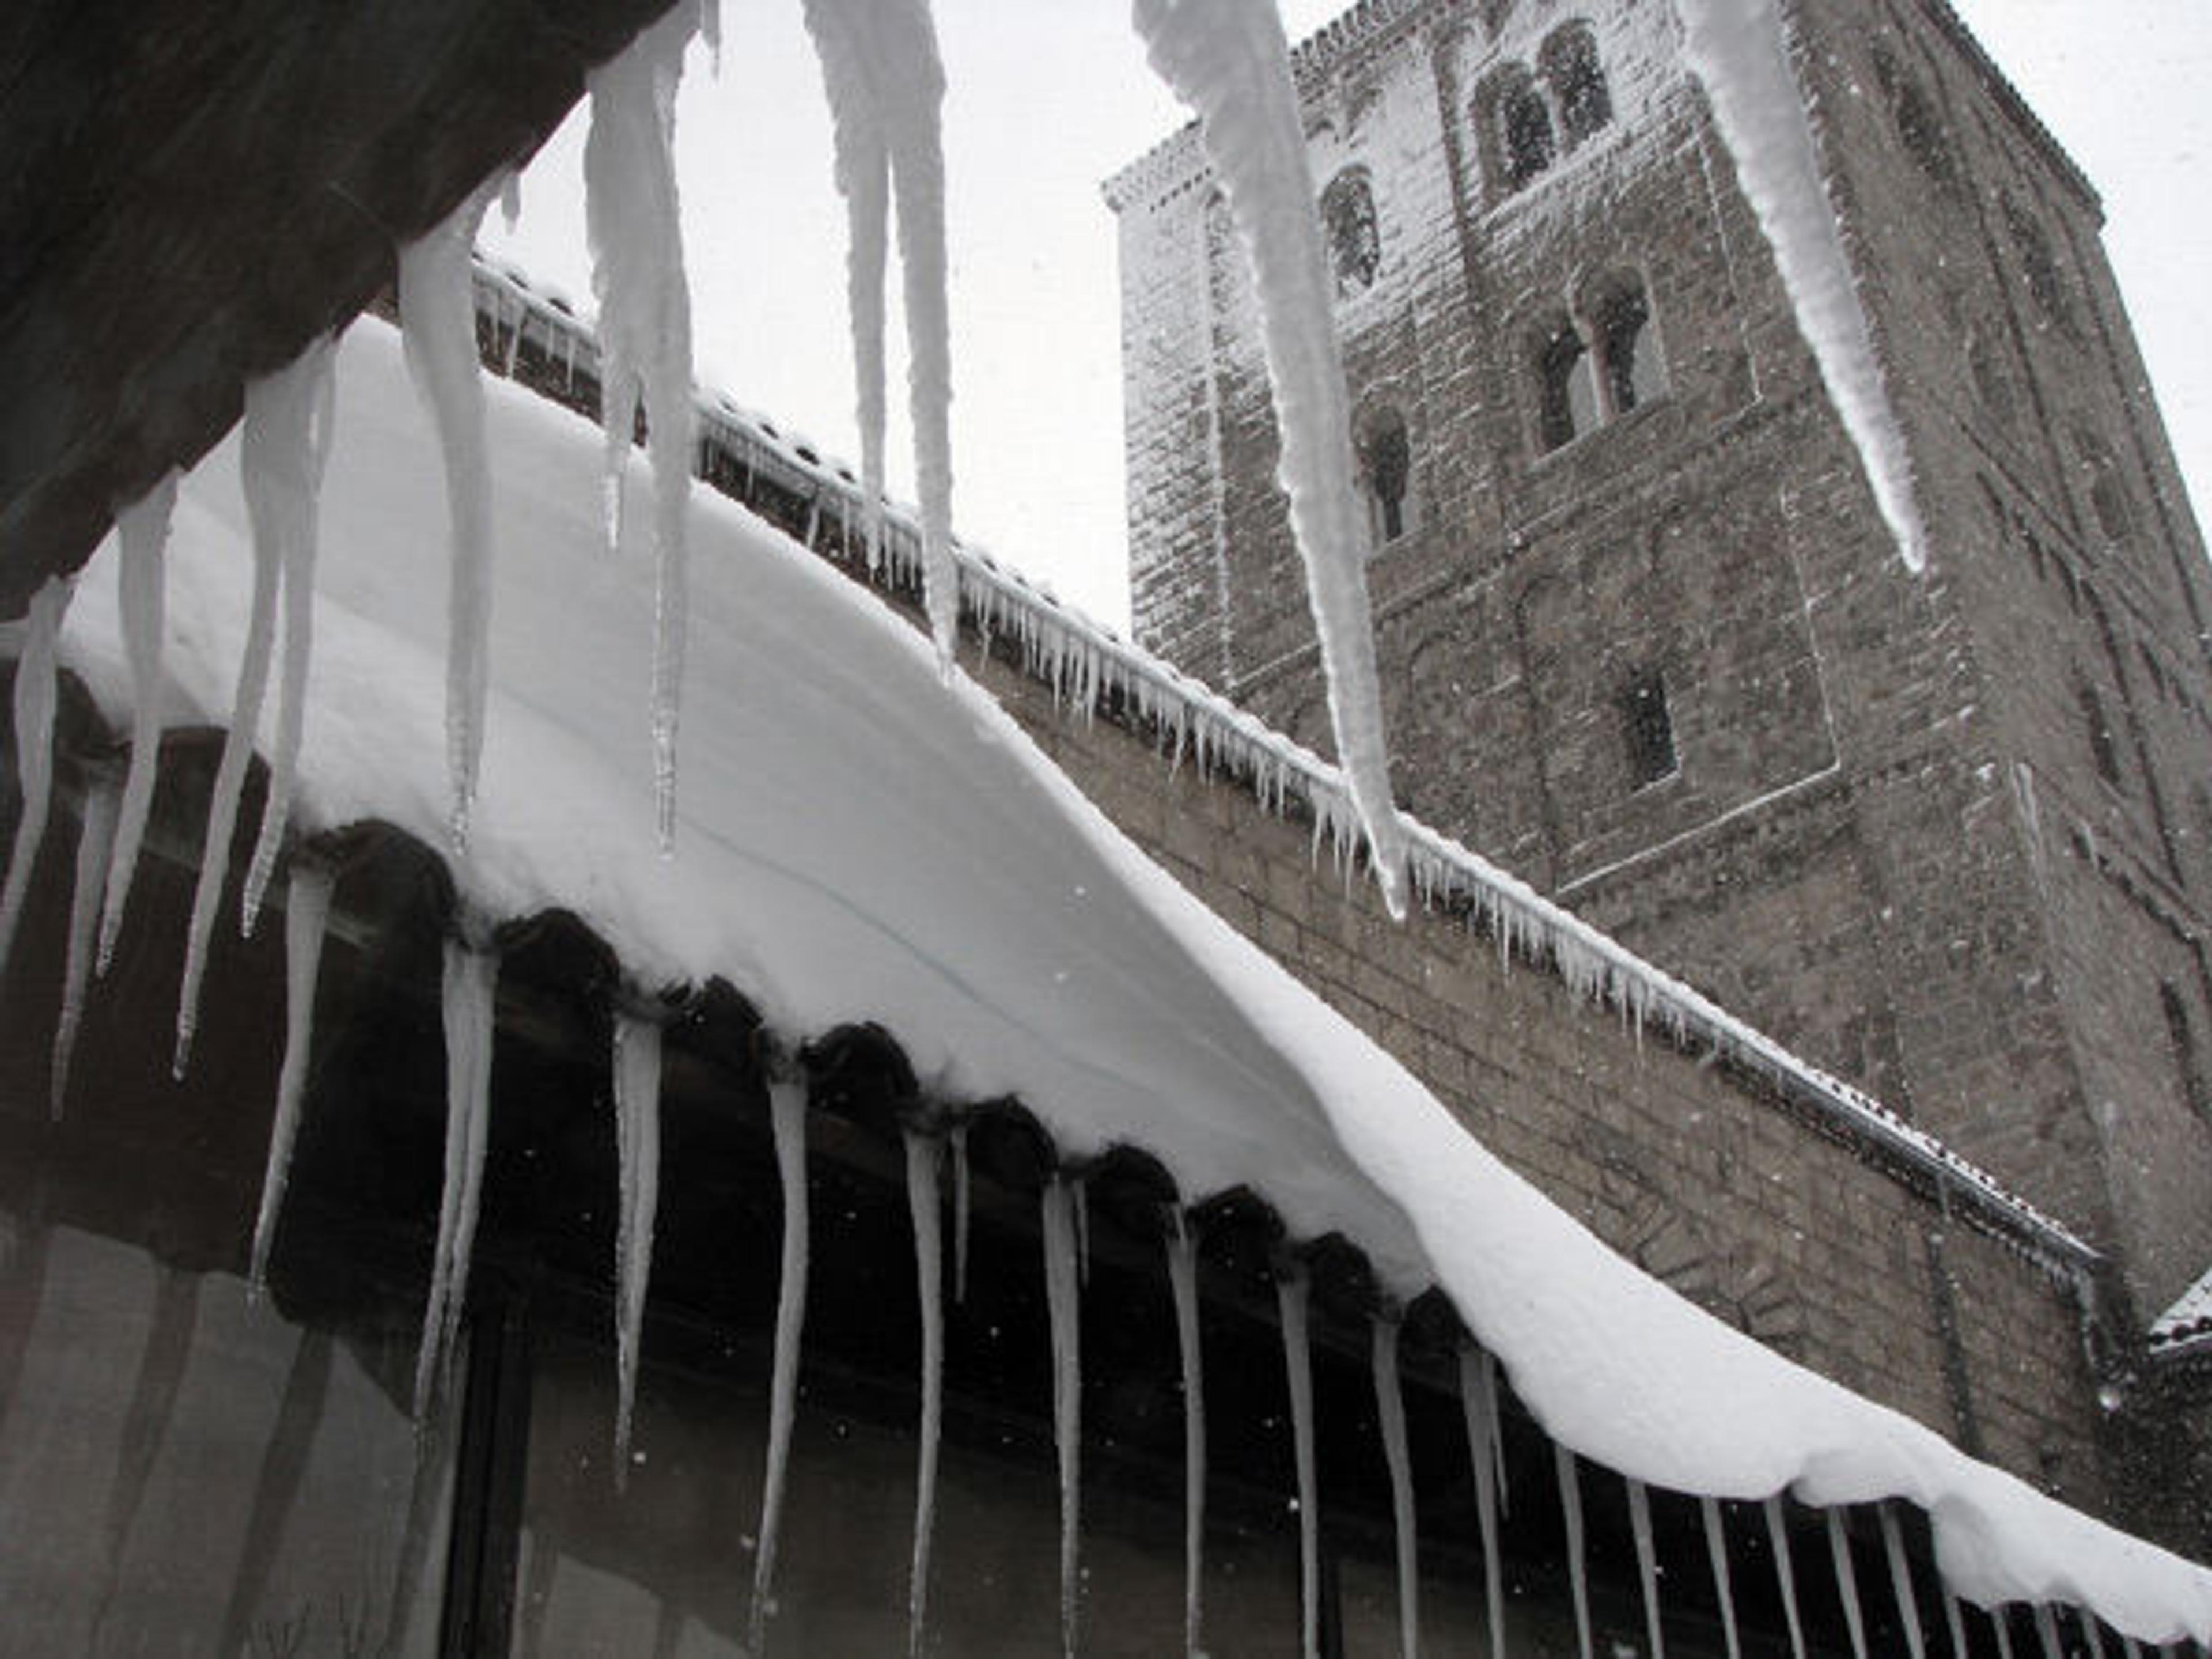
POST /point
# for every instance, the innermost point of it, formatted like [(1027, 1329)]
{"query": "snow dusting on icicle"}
[(1290, 1295), (95, 843), (1847, 1581), (144, 530), (1785, 1574), (786, 1102), (922, 1201), (1478, 1399), (1229, 60), (281, 474), (645, 334), (1740, 50), (307, 914), (297, 553), (1900, 1579), (1724, 1586), (438, 327), (886, 86), (1182, 1280), (1390, 1413), (35, 696), (1063, 1300), (472, 983), (1647, 1563), (637, 1147), (1570, 1510)]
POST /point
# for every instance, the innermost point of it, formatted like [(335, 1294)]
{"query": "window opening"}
[(1386, 458), (2108, 496), (2182, 1035), (2039, 269), (1525, 127), (1648, 729), (2101, 747), (1571, 63), (1632, 374), (1355, 242), (1570, 406)]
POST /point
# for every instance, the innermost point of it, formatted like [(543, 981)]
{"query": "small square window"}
[(1648, 729)]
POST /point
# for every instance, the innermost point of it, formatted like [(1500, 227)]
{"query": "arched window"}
[(1647, 728), (2108, 496), (1355, 242), (1568, 402), (2102, 749), (1516, 124), (1386, 466), (1570, 62), (1920, 129), (1632, 372), (2039, 269), (2183, 1038)]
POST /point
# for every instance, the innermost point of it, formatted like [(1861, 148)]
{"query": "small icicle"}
[(637, 1141), (1900, 1579), (95, 843), (472, 984), (2003, 1622), (1291, 1293), (2090, 1632), (1777, 1534), (318, 360), (2046, 1632), (1723, 1588), (277, 468), (1081, 1196), (1182, 1280), (960, 1196), (1063, 1300), (35, 698), (1478, 1399), (307, 914), (1847, 1581), (786, 1100), (1647, 1563), (922, 1204), (144, 530), (1953, 1620), (510, 211), (1570, 1507), (1390, 1415)]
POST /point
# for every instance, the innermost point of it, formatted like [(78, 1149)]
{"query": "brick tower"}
[(1645, 640)]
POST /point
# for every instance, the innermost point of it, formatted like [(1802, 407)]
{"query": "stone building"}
[(1644, 637)]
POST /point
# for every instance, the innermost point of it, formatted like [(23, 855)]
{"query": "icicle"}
[(2046, 1632), (1230, 64), (1647, 1563), (1182, 1280), (885, 84), (472, 983), (1847, 1581), (1723, 1589), (36, 695), (306, 913), (1900, 1578), (298, 574), (2090, 1632), (1291, 1293), (2003, 1622), (1080, 1195), (1390, 1415), (143, 531), (645, 337), (510, 212), (960, 1197), (710, 31), (438, 329), (279, 469), (1570, 1507), (1778, 1533), (786, 1100), (1953, 1620), (1477, 1398), (1063, 1300), (95, 843), (637, 1141), (923, 1202)]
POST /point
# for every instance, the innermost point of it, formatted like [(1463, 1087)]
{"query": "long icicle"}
[(637, 1144), (299, 619), (958, 1138), (2003, 1621), (1647, 1563), (1786, 1575), (1900, 1579), (2046, 1632), (1571, 1511), (1723, 1588), (1953, 1620), (923, 1203), (36, 696), (1063, 1293), (95, 843), (1390, 1415), (472, 983), (277, 468), (307, 916), (1291, 1291), (438, 330), (1847, 1581), (1478, 1399), (786, 1100), (645, 331), (143, 531), (1182, 1280), (2090, 1632)]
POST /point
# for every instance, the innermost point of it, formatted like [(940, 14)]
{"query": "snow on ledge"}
[(2186, 1327)]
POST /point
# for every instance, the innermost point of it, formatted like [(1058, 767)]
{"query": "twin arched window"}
[(1527, 120), (1598, 365), (1355, 239), (1386, 467)]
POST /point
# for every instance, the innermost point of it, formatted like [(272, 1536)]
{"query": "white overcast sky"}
[(1046, 98)]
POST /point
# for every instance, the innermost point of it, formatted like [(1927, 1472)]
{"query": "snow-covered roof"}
[(2186, 1327), (863, 838)]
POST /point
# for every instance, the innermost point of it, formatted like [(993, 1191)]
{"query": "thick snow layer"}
[(864, 841), (1740, 53)]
